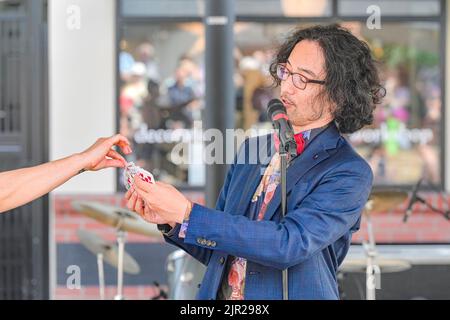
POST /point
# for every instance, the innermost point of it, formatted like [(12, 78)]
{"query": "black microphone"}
[(277, 114), (413, 200)]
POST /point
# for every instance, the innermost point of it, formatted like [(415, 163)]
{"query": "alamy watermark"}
[(374, 19), (211, 146), (73, 281)]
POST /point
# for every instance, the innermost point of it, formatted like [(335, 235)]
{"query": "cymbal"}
[(381, 201), (386, 265), (110, 252), (117, 217)]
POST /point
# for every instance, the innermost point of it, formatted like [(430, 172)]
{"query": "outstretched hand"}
[(102, 155)]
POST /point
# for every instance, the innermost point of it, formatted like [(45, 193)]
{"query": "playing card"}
[(131, 170)]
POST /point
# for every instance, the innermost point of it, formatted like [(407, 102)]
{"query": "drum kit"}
[(184, 273), (373, 266), (123, 221)]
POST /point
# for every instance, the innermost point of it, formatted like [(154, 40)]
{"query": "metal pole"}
[(101, 275), (372, 270), (283, 168), (220, 95), (121, 249)]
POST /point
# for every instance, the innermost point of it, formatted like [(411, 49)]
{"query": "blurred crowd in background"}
[(162, 92)]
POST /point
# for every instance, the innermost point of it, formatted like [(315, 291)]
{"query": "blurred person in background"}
[(132, 98), (126, 61), (145, 53), (431, 120), (182, 95)]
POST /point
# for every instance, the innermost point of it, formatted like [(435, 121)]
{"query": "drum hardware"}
[(373, 277), (385, 265), (415, 197), (162, 293), (187, 277), (385, 200), (109, 253), (122, 220), (379, 201), (184, 273), (115, 217), (121, 242), (101, 275)]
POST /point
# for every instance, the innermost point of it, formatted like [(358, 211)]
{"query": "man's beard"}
[(298, 120)]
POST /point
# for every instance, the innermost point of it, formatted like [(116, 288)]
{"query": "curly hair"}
[(352, 82)]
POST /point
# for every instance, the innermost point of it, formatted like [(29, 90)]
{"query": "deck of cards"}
[(131, 170)]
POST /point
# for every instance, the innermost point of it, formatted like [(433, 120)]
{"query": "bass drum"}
[(184, 274)]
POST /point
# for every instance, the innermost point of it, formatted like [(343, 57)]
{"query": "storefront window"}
[(404, 143), (161, 96), (162, 91)]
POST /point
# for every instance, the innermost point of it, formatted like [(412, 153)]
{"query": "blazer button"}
[(222, 260), (199, 240), (316, 156), (208, 243), (213, 243), (203, 242)]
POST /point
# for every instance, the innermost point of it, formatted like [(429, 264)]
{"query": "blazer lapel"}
[(314, 153), (255, 171)]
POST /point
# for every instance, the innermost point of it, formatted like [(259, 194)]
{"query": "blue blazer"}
[(328, 186)]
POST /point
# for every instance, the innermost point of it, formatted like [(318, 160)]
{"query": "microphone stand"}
[(445, 214), (289, 148), (283, 167)]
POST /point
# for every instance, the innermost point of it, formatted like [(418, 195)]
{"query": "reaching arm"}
[(321, 218), (21, 186)]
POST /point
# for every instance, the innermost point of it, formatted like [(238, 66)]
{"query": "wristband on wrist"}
[(188, 211)]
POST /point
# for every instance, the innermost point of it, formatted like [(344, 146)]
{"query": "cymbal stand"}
[(373, 272), (121, 235), (101, 275)]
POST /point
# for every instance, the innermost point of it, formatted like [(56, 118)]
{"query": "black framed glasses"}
[(298, 79)]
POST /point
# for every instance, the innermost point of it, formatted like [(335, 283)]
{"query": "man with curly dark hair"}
[(329, 86)]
